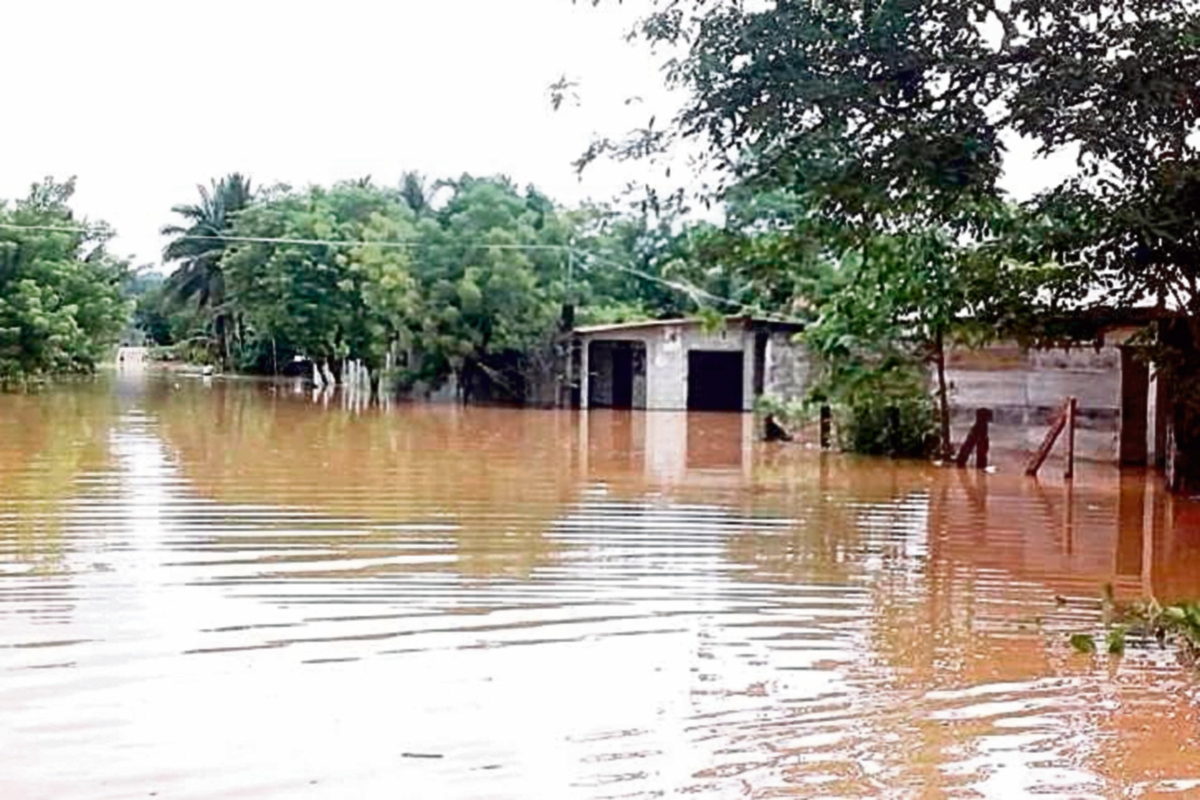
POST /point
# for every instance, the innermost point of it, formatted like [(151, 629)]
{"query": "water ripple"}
[(467, 603)]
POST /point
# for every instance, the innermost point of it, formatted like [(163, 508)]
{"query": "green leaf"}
[(1083, 643), (1115, 641)]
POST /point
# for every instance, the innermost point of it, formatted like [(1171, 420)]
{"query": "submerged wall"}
[(1026, 388), (667, 362)]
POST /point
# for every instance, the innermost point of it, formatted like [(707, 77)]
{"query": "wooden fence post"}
[(983, 418), (826, 426), (978, 441), (1072, 410), (1065, 418)]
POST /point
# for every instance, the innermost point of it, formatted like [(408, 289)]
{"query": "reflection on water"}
[(222, 590)]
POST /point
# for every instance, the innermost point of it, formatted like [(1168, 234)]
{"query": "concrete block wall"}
[(667, 361), (666, 368), (788, 368), (1026, 388), (663, 384), (661, 377)]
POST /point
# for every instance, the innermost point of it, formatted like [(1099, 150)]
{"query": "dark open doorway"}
[(622, 386), (715, 380), (1135, 387)]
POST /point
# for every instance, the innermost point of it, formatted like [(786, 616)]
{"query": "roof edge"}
[(587, 330)]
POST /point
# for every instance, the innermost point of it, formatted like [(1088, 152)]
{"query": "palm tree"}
[(414, 192), (199, 247)]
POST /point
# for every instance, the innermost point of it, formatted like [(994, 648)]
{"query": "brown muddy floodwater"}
[(230, 591)]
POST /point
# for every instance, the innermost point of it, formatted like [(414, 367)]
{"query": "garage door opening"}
[(715, 381)]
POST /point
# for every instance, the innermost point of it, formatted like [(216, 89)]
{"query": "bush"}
[(789, 413), (887, 412)]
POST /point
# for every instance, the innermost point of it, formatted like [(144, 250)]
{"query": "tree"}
[(905, 105), (892, 115), (200, 248), (415, 193), (472, 291), (884, 321), (330, 292), (61, 304), (492, 276)]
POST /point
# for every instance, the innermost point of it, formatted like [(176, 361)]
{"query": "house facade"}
[(686, 364)]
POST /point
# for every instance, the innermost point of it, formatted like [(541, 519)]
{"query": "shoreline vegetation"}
[(63, 295), (1143, 624)]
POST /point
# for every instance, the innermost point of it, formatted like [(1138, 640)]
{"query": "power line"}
[(683, 287), (694, 291), (54, 228)]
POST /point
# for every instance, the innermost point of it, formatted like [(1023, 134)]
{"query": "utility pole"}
[(568, 320)]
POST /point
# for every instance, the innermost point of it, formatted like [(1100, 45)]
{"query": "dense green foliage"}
[(903, 106), (460, 280), (465, 290), (61, 301), (888, 122)]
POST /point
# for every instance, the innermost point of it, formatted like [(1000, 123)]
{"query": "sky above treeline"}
[(144, 99)]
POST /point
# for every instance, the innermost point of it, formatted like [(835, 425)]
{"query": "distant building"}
[(682, 364)]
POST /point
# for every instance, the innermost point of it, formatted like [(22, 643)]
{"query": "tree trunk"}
[(327, 374), (1182, 337), (939, 344), (222, 331)]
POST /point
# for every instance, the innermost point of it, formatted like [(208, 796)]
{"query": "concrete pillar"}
[(585, 446), (1152, 411), (585, 374), (747, 368), (749, 434)]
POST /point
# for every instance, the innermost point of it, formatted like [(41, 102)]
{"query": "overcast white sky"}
[(143, 99)]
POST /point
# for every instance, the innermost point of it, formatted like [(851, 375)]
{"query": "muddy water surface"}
[(230, 591)]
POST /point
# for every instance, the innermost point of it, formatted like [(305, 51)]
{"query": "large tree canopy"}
[(906, 105), (61, 303), (887, 114), (466, 278), (889, 121)]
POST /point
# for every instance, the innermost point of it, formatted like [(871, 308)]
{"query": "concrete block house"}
[(684, 365)]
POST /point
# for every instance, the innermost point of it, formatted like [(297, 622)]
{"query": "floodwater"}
[(216, 590)]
